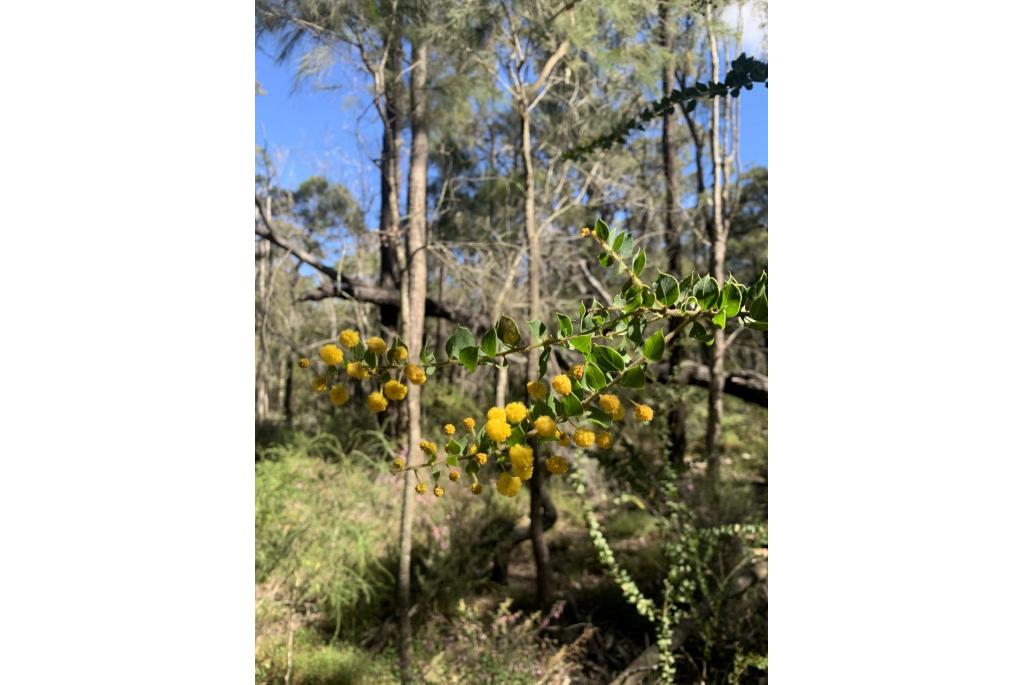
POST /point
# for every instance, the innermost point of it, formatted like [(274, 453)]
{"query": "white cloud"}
[(755, 26)]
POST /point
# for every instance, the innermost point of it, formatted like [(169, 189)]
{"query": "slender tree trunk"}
[(540, 547), (389, 215), (263, 291), (673, 232), (416, 258), (719, 234)]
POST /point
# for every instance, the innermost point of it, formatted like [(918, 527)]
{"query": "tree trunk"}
[(389, 215), (718, 237), (263, 292), (673, 232), (416, 258), (540, 547)]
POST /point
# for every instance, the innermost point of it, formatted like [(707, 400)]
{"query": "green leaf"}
[(756, 325), (759, 307), (731, 299), (599, 417), (697, 331), (601, 228), (633, 378), (654, 347), (508, 331), (639, 262), (468, 357), (608, 359), (594, 376), (636, 328), (454, 448), (666, 289), (518, 436), (618, 238), (538, 329), (706, 292), (564, 324), (358, 352), (543, 362), (571, 405), (581, 343), (605, 259), (719, 318), (452, 460), (489, 345), (461, 338)]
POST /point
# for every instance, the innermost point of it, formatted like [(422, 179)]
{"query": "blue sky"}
[(335, 132)]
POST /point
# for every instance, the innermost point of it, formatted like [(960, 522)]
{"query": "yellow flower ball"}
[(349, 338), (556, 465), (320, 384), (476, 488), (398, 464), (516, 412), (481, 458), (399, 354), (304, 363), (377, 402), (619, 414), (394, 390), (546, 426), (583, 437), (331, 354), (358, 370), (421, 488), (609, 404), (496, 413), (472, 449), (438, 491), (377, 346), (643, 413), (339, 395), (577, 371), (561, 384), (521, 457), (537, 390), (428, 447), (453, 476), (604, 440), (469, 423), (498, 430), (449, 429), (415, 374), (508, 484)]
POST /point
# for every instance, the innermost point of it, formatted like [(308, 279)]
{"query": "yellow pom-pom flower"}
[(304, 363), (496, 413), (399, 354), (320, 384), (421, 488), (556, 465), (643, 413), (521, 457), (472, 449), (481, 458), (415, 374), (604, 440), (537, 390), (438, 491), (377, 402), (583, 437), (577, 371), (349, 338), (498, 430), (508, 484), (449, 429), (546, 426), (398, 464), (619, 414), (516, 412), (394, 390), (561, 384), (331, 354), (376, 345), (454, 476), (339, 395), (609, 404), (358, 370), (469, 423), (476, 488), (428, 447)]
